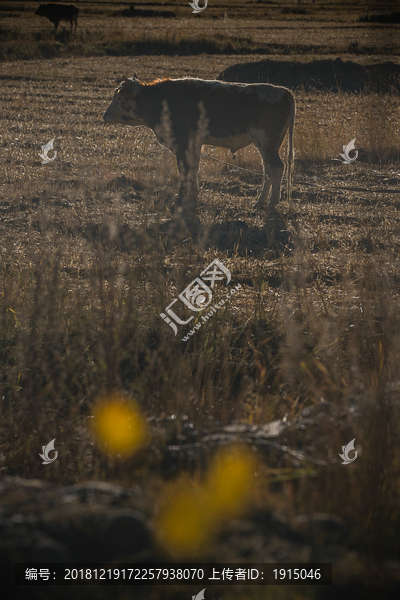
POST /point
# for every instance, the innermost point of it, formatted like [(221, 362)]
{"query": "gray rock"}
[(321, 528), (125, 534), (50, 551)]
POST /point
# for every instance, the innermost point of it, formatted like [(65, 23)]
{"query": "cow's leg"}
[(55, 26), (260, 140), (273, 172), (262, 202), (275, 169), (188, 158)]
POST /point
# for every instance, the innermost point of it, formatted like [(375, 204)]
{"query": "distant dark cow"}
[(59, 12), (186, 113)]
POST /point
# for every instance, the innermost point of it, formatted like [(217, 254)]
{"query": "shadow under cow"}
[(231, 237)]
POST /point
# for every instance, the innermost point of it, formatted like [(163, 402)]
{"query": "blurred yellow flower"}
[(192, 516), (183, 524), (229, 482), (119, 426)]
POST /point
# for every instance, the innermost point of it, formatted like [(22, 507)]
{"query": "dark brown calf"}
[(59, 12), (187, 113)]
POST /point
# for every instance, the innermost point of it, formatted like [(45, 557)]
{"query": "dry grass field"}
[(90, 256)]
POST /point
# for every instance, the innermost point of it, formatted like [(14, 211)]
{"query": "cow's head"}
[(122, 107)]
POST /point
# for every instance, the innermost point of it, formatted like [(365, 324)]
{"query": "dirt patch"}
[(334, 75), (392, 17)]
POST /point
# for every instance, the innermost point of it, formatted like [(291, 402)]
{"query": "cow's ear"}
[(125, 79), (135, 76)]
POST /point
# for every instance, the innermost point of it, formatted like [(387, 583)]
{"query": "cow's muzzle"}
[(108, 118)]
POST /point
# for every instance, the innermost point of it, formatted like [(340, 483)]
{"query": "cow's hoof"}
[(186, 221), (261, 205), (174, 203)]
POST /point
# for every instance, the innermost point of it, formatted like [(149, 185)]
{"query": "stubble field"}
[(90, 256)]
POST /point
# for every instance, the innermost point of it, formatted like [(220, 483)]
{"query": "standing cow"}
[(59, 12), (186, 113)]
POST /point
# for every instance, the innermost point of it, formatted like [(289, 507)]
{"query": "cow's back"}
[(227, 108), (58, 12)]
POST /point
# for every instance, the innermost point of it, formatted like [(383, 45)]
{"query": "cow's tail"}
[(290, 161)]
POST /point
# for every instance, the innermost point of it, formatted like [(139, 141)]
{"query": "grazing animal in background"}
[(186, 113), (59, 12)]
